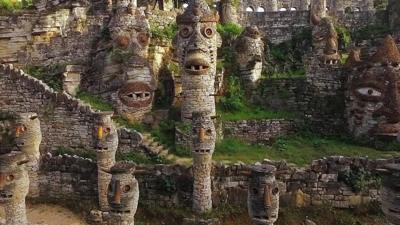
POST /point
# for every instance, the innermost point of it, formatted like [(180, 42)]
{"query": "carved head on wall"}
[(263, 195), (325, 40), (203, 133), (197, 39), (106, 133), (123, 191), (28, 135), (373, 93), (14, 179), (249, 47)]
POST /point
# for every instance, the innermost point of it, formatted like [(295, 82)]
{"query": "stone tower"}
[(196, 47), (263, 195), (14, 187), (123, 194), (249, 55), (28, 137), (203, 139), (390, 194), (106, 145)]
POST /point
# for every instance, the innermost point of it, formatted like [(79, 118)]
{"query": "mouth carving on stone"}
[(136, 94), (196, 64)]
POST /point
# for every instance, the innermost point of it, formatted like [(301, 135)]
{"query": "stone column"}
[(72, 79), (228, 12), (14, 187), (196, 47), (28, 137), (106, 145), (390, 193), (271, 6), (203, 139), (123, 194), (263, 195)]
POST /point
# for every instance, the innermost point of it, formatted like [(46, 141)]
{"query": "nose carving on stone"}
[(202, 134), (100, 133), (2, 180), (117, 192)]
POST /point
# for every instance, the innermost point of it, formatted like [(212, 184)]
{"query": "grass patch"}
[(253, 112), (297, 149), (94, 101), (141, 158), (12, 6), (50, 75), (140, 127), (300, 73)]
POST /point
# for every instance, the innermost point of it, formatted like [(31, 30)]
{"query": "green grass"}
[(299, 149), (301, 73), (50, 75), (253, 112), (12, 6), (140, 127), (140, 158), (94, 101)]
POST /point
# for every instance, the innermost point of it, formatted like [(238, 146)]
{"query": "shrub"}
[(51, 75), (165, 34), (95, 101), (233, 100)]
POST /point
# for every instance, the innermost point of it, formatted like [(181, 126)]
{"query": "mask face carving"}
[(123, 191), (106, 132), (198, 39), (136, 94), (28, 135), (263, 196), (14, 180), (203, 133), (373, 95)]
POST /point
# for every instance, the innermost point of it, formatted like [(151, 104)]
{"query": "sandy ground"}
[(47, 214)]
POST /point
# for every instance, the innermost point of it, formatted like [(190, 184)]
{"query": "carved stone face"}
[(373, 93), (136, 94), (28, 135), (249, 48), (203, 133), (106, 133), (325, 40), (14, 179), (374, 102), (263, 198), (123, 191), (198, 39)]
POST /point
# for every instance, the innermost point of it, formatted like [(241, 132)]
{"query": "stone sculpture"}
[(28, 137), (106, 145), (372, 93), (228, 12), (249, 54), (325, 40), (14, 187), (196, 48), (124, 76), (203, 139), (390, 196), (263, 195), (123, 194)]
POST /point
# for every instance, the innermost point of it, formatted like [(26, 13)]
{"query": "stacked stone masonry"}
[(65, 121)]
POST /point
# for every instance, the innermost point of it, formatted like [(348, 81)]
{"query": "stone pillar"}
[(28, 137), (123, 194), (263, 195), (14, 187), (318, 9), (271, 6), (106, 145), (228, 12), (203, 139), (72, 79), (196, 45), (390, 193), (250, 52)]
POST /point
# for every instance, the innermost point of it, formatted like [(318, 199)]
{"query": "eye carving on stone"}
[(186, 31), (208, 32), (10, 177), (127, 188), (367, 91)]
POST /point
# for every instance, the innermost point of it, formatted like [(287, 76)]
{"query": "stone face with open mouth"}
[(136, 94), (196, 64)]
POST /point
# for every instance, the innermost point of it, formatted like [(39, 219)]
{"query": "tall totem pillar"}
[(196, 47), (28, 137), (263, 195), (106, 145), (14, 187), (123, 194), (390, 193)]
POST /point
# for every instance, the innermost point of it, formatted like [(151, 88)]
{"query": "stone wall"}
[(65, 121), (258, 131), (70, 177)]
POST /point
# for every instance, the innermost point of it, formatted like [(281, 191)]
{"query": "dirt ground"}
[(47, 214)]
